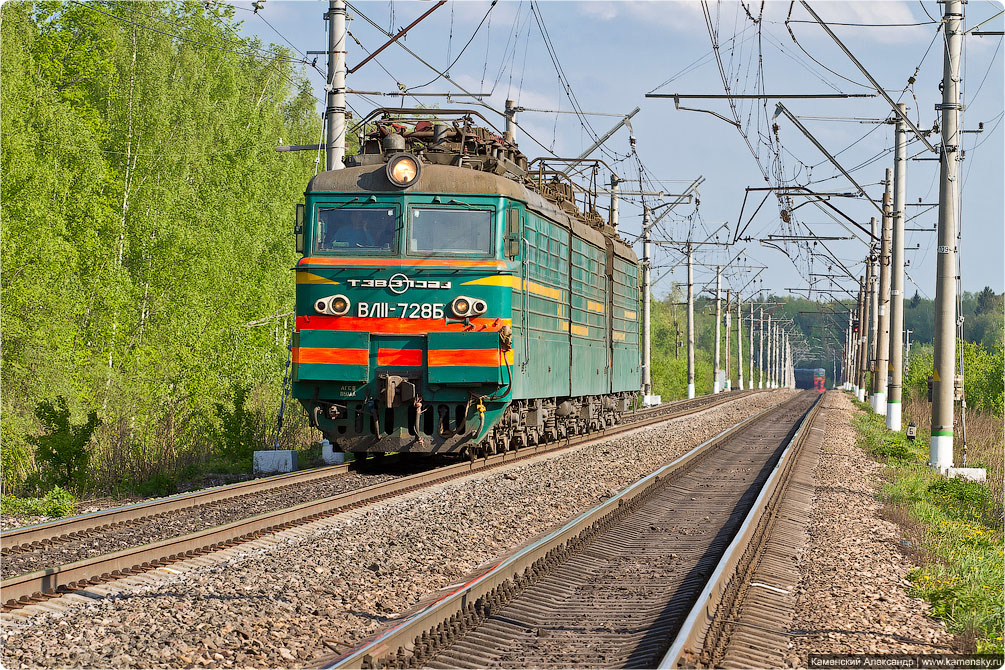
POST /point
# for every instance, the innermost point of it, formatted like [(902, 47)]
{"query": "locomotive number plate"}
[(401, 310)]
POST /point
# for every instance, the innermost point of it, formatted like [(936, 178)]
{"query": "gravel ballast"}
[(183, 522), (308, 595), (851, 597)]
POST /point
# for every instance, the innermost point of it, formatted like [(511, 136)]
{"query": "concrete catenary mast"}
[(739, 343), (873, 299), (647, 388), (883, 330), (944, 375), (729, 335), (718, 320), (860, 341), (750, 331), (690, 322), (335, 109), (894, 388), (760, 350), (772, 334)]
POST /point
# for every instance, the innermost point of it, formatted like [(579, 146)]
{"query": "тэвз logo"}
[(398, 283)]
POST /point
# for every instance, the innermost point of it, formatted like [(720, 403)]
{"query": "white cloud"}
[(677, 16), (866, 13), (686, 15)]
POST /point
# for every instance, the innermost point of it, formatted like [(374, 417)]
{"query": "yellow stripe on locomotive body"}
[(304, 277), (398, 369), (514, 283)]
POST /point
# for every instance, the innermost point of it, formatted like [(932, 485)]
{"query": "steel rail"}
[(386, 647), (691, 637), (36, 586), (60, 528)]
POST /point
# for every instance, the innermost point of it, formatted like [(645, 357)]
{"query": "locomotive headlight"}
[(403, 169), (335, 305), (479, 307), (339, 305), (461, 306)]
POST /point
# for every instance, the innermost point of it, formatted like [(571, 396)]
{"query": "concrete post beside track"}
[(950, 145), (690, 322), (881, 369), (718, 320), (894, 387)]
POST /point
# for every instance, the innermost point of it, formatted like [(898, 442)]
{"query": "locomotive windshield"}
[(356, 229), (450, 231)]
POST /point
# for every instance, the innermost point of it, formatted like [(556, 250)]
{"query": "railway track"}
[(52, 579), (634, 582)]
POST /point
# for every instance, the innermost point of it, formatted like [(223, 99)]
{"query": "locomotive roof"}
[(435, 178)]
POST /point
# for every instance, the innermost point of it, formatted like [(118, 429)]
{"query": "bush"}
[(984, 376), (966, 499), (61, 452), (158, 486), (983, 370), (236, 436), (15, 456)]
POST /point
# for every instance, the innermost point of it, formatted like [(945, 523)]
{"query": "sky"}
[(603, 57)]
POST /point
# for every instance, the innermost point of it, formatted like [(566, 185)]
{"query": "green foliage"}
[(963, 573), (881, 443), (143, 210), (668, 327), (55, 503), (15, 457), (61, 452), (917, 371), (963, 496), (159, 485), (985, 300), (983, 373), (236, 438), (984, 377)]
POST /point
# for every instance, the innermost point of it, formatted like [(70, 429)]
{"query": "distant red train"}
[(810, 378)]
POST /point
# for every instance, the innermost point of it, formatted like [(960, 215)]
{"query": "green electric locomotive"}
[(453, 298)]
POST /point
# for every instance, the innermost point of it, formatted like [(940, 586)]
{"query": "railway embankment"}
[(856, 594), (952, 527), (325, 586)]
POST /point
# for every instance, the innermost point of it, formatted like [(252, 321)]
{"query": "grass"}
[(958, 525), (57, 502), (985, 447)]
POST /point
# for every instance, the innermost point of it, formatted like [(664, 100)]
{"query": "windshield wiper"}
[(462, 204), (344, 204)]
